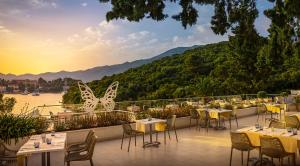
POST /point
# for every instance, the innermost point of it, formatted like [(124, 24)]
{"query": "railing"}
[(45, 110)]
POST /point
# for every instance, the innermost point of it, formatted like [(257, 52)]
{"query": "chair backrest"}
[(271, 146), (277, 124), (171, 121), (261, 108), (89, 137), (292, 121), (194, 113), (91, 147), (240, 141), (127, 129)]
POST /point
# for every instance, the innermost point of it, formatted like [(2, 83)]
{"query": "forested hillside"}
[(207, 70)]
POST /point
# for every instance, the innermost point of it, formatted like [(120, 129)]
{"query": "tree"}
[(7, 104)]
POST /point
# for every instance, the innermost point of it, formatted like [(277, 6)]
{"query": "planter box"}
[(112, 132), (115, 132)]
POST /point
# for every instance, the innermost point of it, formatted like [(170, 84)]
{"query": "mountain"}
[(210, 70), (97, 73)]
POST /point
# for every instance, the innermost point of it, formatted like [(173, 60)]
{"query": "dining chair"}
[(83, 145), (277, 124), (230, 116), (169, 126), (273, 147), (83, 155), (261, 111), (194, 115), (241, 142), (129, 132), (292, 121)]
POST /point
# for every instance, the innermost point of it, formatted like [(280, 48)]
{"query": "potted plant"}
[(16, 129), (261, 95)]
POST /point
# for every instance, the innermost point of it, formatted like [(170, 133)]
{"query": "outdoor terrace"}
[(194, 148)]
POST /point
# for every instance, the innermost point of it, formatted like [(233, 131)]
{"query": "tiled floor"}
[(195, 148)]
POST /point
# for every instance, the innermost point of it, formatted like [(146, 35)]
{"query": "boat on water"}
[(25, 92), (35, 93)]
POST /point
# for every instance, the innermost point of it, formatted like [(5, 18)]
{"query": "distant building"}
[(2, 89), (13, 86), (25, 82)]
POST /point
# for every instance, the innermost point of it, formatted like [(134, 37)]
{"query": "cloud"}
[(43, 3), (200, 28), (4, 30), (84, 4)]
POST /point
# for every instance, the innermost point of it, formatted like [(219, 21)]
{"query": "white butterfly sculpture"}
[(90, 101)]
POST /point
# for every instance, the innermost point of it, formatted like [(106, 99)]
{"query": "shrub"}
[(262, 94), (284, 94), (7, 104), (41, 125), (60, 126)]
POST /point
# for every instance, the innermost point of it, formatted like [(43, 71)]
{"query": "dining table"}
[(57, 144), (274, 109), (216, 113), (289, 139), (150, 122)]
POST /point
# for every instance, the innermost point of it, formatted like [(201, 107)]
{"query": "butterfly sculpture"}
[(90, 101)]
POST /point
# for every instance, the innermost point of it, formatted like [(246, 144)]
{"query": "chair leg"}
[(143, 140), (135, 140), (169, 134), (68, 163), (281, 161), (230, 156), (176, 134), (190, 122), (91, 162), (248, 157), (165, 137), (236, 120), (242, 158), (197, 123), (122, 141), (129, 143), (229, 123), (156, 136)]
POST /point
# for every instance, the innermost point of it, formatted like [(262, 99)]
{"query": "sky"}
[(39, 36)]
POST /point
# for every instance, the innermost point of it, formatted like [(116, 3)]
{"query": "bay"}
[(53, 99)]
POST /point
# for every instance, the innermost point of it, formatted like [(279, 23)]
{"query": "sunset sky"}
[(52, 35)]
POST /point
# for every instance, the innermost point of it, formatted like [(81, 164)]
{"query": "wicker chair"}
[(170, 125), (272, 147), (241, 142), (81, 146), (129, 132), (292, 121), (277, 124), (83, 155), (194, 115), (229, 116)]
